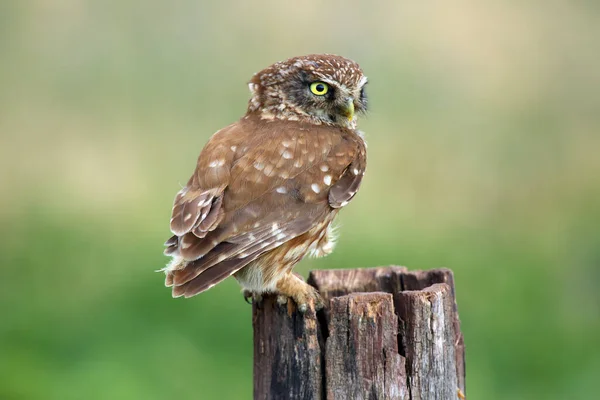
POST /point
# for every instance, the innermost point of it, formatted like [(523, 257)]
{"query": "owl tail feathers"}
[(189, 278), (199, 282), (176, 263)]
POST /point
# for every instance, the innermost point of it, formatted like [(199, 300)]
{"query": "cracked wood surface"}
[(287, 352), (362, 359), (385, 333)]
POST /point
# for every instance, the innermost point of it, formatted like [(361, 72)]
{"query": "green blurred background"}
[(483, 157)]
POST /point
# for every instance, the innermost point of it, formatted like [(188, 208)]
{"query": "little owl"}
[(267, 187)]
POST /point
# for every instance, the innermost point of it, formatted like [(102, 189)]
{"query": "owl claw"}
[(247, 296), (282, 300), (252, 298), (303, 308), (304, 295), (317, 300)]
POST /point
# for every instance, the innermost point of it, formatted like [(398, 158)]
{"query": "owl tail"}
[(176, 263), (189, 278)]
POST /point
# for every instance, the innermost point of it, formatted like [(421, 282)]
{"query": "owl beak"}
[(349, 109)]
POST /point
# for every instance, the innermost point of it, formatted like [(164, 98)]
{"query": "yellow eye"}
[(319, 88)]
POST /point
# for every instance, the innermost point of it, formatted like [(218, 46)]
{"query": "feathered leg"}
[(292, 286)]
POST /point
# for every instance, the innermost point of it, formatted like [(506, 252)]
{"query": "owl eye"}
[(319, 88)]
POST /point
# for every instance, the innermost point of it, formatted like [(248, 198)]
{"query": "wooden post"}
[(386, 333)]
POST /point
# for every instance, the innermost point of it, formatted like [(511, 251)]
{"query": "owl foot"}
[(304, 295)]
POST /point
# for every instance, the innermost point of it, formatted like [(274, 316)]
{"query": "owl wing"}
[(269, 189), (197, 208), (344, 189)]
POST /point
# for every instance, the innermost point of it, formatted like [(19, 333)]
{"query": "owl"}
[(267, 188)]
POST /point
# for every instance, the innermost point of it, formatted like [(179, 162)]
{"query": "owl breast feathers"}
[(267, 188)]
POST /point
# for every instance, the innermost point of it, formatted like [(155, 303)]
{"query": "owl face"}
[(321, 89)]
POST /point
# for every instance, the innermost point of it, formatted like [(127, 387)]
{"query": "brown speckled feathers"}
[(268, 186), (252, 192)]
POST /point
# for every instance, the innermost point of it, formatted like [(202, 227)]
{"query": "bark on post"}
[(287, 352), (362, 359), (386, 333)]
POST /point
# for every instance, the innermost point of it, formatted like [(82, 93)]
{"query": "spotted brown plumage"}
[(267, 188)]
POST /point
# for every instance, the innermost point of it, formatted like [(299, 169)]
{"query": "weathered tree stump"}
[(385, 333)]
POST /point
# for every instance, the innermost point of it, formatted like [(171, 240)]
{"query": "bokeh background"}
[(483, 157)]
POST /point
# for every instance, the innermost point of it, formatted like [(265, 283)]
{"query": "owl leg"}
[(292, 286)]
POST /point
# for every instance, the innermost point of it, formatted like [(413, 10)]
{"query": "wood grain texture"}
[(427, 334), (362, 359), (385, 333), (338, 282), (287, 352), (419, 280)]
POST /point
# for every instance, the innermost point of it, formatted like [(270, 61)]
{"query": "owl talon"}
[(247, 296), (304, 295), (319, 304), (252, 298), (283, 301), (303, 308)]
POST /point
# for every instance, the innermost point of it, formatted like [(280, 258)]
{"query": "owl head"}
[(318, 88)]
